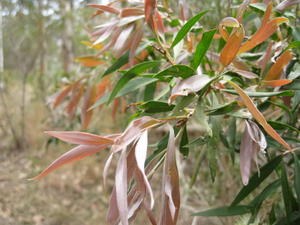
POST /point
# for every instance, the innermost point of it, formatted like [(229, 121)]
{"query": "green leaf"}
[(156, 107), (183, 142), (149, 91), (257, 179), (258, 200), (118, 64), (182, 71), (287, 194), (282, 126), (294, 44), (202, 48), (225, 211), (297, 177), (223, 109), (187, 27), (259, 7), (131, 86), (198, 141), (134, 71), (262, 94), (295, 216)]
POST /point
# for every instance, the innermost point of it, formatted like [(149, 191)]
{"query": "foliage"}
[(241, 77)]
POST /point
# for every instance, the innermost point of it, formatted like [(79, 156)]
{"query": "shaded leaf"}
[(223, 109), (225, 211), (257, 179), (156, 107)]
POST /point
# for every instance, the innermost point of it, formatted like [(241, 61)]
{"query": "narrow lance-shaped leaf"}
[(105, 8), (88, 101), (171, 194), (61, 95), (137, 69), (121, 188), (202, 48), (276, 83), (257, 179), (140, 157), (253, 141), (258, 116), (80, 138), (277, 68), (186, 28), (266, 29), (226, 211), (232, 46), (73, 155)]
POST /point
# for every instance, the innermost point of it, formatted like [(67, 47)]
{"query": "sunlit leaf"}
[(260, 94), (190, 85), (202, 48), (258, 116), (80, 138), (105, 8), (277, 68), (73, 155), (186, 28), (232, 46)]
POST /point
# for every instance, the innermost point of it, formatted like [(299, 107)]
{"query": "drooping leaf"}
[(80, 138), (121, 188), (134, 130), (257, 179), (253, 141), (225, 211), (171, 194), (88, 100), (246, 74), (105, 8), (258, 116), (202, 48), (186, 28), (297, 177), (61, 95), (140, 157), (183, 148), (73, 155), (259, 94)]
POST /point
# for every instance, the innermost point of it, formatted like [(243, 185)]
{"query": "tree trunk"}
[(67, 43)]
